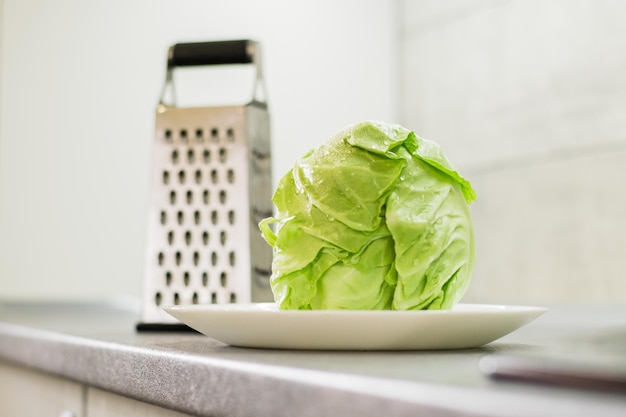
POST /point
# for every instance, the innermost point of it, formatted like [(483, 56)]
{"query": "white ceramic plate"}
[(262, 325)]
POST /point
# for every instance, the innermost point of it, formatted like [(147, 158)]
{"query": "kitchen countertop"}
[(96, 344)]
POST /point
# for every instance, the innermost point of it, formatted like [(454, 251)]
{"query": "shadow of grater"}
[(211, 185)]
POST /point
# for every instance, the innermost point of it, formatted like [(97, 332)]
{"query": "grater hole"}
[(194, 298), (160, 258), (180, 217), (231, 258), (175, 156), (196, 217), (214, 216), (170, 237), (188, 237), (223, 279), (198, 176), (205, 196), (214, 134), (176, 298), (163, 217), (190, 156), (181, 176), (213, 298), (196, 258), (168, 136), (206, 156), (168, 278), (183, 135), (230, 175), (178, 258), (189, 197), (205, 279), (172, 197), (233, 297), (158, 298), (223, 154), (205, 238), (214, 177), (186, 278), (166, 177), (231, 217), (230, 134), (213, 258), (223, 237), (199, 135), (223, 196)]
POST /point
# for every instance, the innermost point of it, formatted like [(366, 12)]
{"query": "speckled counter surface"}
[(97, 345)]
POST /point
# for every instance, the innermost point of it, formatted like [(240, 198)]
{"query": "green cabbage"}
[(375, 218)]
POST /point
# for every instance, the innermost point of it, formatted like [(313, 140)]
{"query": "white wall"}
[(528, 98), (79, 83)]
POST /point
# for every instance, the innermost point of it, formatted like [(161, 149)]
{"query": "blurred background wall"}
[(80, 82), (527, 98)]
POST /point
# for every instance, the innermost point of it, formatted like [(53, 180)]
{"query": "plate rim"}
[(218, 321)]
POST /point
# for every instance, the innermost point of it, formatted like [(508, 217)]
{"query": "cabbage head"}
[(375, 218)]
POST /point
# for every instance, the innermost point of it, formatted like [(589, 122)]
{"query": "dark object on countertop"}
[(596, 362), (165, 327)]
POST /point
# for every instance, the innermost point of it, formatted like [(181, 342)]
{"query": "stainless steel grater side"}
[(211, 185)]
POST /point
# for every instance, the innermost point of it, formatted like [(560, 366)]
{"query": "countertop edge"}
[(203, 385), (163, 378)]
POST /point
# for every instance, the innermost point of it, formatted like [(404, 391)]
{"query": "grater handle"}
[(211, 53)]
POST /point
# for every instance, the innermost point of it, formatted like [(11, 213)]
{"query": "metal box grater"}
[(211, 185)]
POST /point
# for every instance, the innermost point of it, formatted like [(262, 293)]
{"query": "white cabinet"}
[(28, 393), (105, 404)]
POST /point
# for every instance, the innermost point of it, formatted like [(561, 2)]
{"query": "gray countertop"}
[(96, 344)]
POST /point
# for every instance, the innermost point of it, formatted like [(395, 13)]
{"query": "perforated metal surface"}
[(211, 185)]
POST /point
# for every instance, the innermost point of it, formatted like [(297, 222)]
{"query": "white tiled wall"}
[(528, 99)]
